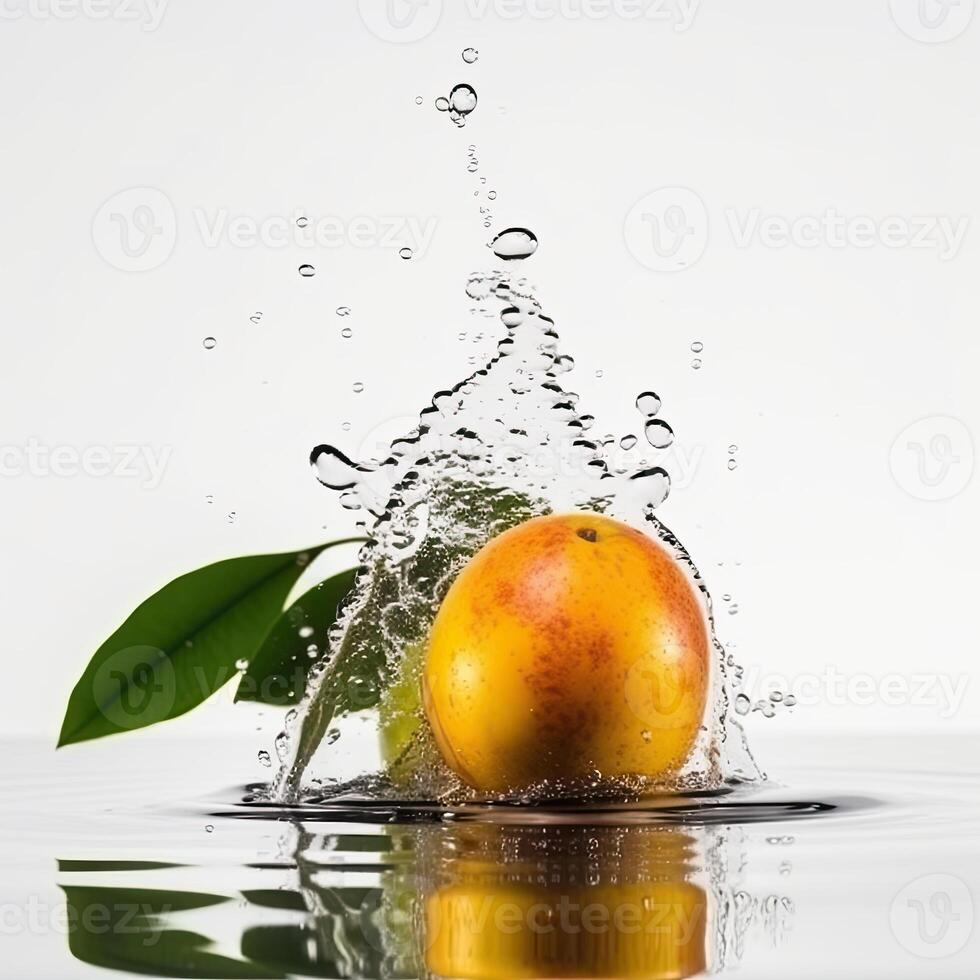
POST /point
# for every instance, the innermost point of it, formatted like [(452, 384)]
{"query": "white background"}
[(815, 360)]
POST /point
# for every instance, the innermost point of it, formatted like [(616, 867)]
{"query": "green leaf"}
[(122, 929), (277, 673), (180, 645)]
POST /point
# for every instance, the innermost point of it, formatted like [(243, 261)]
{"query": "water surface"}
[(142, 857)]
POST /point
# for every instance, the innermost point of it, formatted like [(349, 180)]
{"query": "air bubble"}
[(405, 253), (628, 442), (210, 343), (659, 434), (470, 55), (514, 243), (307, 271), (697, 347), (357, 387), (648, 403), (462, 99)]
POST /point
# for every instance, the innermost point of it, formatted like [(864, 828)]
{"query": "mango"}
[(570, 646)]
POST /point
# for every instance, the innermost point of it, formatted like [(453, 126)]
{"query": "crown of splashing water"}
[(504, 444)]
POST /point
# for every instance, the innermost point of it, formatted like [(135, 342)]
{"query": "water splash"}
[(506, 443)]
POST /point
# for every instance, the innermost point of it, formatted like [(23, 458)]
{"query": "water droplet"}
[(405, 253), (358, 387), (628, 442), (696, 364), (265, 759), (732, 464), (210, 498), (697, 347), (232, 516), (345, 426), (659, 434), (790, 700), (209, 828), (306, 271), (648, 403), (742, 704), (462, 100), (347, 333), (306, 632), (656, 484), (332, 736), (733, 609), (598, 373), (343, 311), (470, 55), (492, 195), (241, 664), (514, 243), (302, 222), (442, 104), (334, 469), (646, 735), (418, 99), (256, 317), (209, 343)]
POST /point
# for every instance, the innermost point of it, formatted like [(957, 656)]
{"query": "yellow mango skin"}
[(524, 932), (569, 644)]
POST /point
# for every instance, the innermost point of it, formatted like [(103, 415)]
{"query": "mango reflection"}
[(522, 902)]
